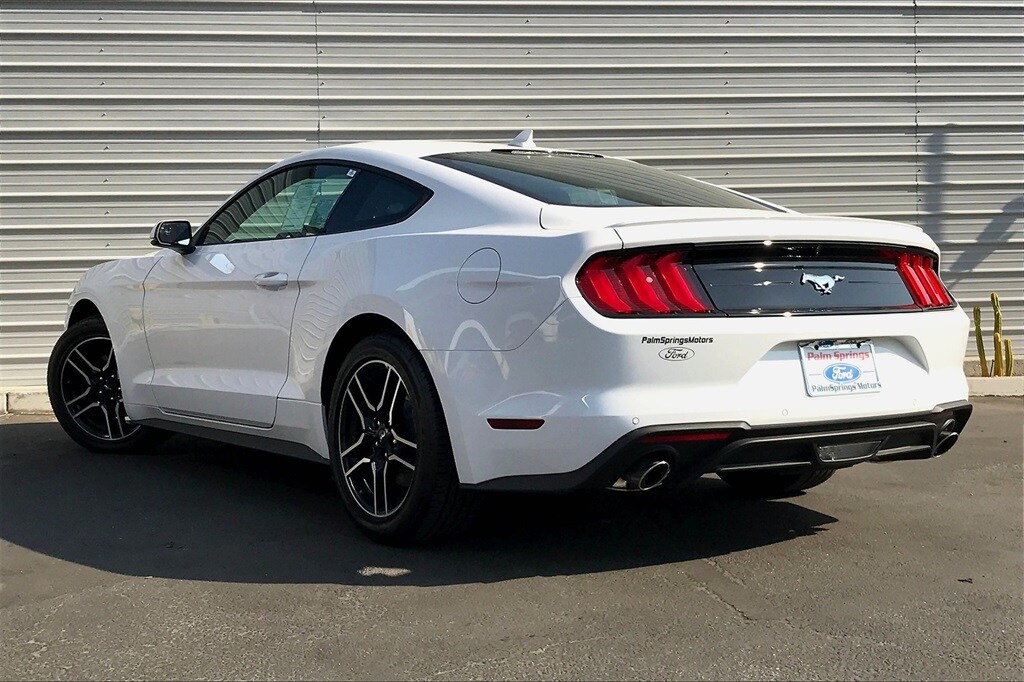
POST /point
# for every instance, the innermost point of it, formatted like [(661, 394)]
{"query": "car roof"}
[(418, 149), (408, 158)]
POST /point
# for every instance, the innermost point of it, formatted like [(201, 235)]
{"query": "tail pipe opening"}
[(648, 472), (948, 436)]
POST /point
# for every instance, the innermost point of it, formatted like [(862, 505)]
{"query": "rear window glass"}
[(569, 179)]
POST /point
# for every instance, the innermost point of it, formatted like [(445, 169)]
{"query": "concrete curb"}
[(25, 401), (996, 386), (36, 401)]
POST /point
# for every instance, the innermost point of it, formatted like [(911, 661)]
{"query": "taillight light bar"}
[(919, 274), (685, 437), (649, 283)]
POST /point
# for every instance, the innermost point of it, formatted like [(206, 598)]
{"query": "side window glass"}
[(292, 203), (374, 200)]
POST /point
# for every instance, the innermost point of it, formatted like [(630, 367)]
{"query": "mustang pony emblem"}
[(822, 283)]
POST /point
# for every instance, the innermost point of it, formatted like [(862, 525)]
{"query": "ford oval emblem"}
[(841, 373), (676, 353)]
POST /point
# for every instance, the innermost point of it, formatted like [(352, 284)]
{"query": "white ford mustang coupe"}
[(434, 318)]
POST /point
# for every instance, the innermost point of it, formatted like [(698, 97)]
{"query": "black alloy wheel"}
[(378, 461), (390, 450), (85, 390)]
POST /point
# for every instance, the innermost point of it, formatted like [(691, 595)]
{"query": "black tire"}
[(370, 446), (774, 484), (85, 391)]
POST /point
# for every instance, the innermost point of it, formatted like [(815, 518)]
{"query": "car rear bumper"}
[(696, 449), (594, 381)]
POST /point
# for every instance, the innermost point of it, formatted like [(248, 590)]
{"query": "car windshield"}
[(576, 179)]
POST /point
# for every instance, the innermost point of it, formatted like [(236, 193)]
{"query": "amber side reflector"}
[(516, 424), (685, 437)]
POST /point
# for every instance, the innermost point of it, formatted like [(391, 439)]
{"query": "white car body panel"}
[(220, 343), (116, 289), (200, 348)]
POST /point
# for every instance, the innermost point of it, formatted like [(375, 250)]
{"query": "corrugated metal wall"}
[(115, 114)]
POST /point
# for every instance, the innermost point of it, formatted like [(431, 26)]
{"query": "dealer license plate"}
[(839, 369)]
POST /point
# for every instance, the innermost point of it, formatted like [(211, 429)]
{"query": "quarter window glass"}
[(294, 203), (375, 200)]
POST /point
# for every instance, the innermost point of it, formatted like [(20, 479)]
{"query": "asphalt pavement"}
[(199, 560)]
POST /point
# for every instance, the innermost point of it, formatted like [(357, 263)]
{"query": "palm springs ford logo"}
[(841, 373), (675, 354)]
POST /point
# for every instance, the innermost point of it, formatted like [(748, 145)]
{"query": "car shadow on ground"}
[(199, 510)]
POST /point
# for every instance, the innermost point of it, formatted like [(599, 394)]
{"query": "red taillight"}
[(516, 424), (685, 437), (656, 283), (918, 273)]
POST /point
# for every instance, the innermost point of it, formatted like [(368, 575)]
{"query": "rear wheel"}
[(774, 484), (85, 391), (390, 451)]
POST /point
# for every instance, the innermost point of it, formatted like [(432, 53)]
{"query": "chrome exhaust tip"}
[(644, 475), (946, 441), (948, 437)]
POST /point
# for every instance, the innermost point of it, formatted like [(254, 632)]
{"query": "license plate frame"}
[(833, 368)]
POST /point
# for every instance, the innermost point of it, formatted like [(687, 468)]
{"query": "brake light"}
[(918, 273), (685, 437), (516, 424), (657, 283)]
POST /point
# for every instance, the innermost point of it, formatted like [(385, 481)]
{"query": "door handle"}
[(271, 280)]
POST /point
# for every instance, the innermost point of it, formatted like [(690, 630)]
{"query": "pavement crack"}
[(725, 602), (726, 589)]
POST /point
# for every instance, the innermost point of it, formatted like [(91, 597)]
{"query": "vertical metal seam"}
[(918, 201), (316, 68)]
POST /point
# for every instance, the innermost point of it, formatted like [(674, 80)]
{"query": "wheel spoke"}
[(398, 459), (84, 409), (364, 460), (373, 468), (110, 358), (79, 369), (91, 366), (394, 399), (384, 481), (106, 418), (69, 403), (403, 441), (384, 389), (350, 448), (362, 392), (117, 416), (359, 413)]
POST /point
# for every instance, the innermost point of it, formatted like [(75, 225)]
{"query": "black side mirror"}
[(173, 234)]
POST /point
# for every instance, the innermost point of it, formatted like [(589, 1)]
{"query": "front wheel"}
[(85, 391), (390, 451), (774, 484)]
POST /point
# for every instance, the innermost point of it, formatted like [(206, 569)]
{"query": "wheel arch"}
[(359, 327), (351, 333), (83, 309)]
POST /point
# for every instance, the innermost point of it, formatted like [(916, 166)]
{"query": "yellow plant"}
[(1002, 365)]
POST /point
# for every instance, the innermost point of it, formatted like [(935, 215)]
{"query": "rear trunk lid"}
[(751, 262), (650, 226)]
